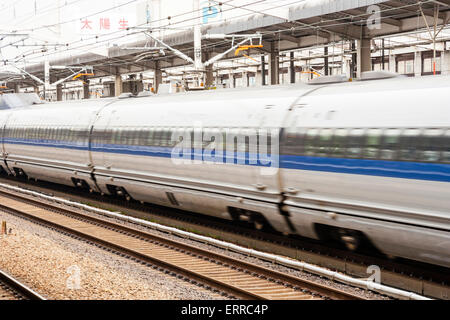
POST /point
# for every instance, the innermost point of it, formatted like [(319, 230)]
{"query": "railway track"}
[(221, 273), (415, 277), (12, 289)]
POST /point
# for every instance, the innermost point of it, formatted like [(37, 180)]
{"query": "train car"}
[(50, 142), (372, 159), (132, 151), (347, 162)]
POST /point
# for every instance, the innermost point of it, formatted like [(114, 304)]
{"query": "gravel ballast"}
[(50, 262)]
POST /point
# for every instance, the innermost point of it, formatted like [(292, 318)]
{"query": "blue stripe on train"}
[(384, 168)]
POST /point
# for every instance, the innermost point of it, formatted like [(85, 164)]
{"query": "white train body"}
[(368, 157)]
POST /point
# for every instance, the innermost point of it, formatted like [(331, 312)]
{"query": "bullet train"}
[(349, 162)]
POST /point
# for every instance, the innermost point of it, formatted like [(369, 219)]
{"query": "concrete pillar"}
[(364, 61), (417, 64), (274, 68), (353, 62), (59, 92), (118, 86), (245, 80), (85, 88), (291, 68), (209, 81), (347, 67), (158, 77), (231, 80), (16, 88), (445, 62), (217, 80), (263, 70), (325, 61), (392, 63)]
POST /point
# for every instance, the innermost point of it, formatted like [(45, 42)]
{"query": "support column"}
[(274, 68), (263, 70), (118, 86), (325, 61), (158, 77), (445, 62), (417, 64), (59, 92), (353, 62), (217, 80), (364, 62), (209, 81), (231, 80), (392, 63), (291, 68), (85, 88), (245, 80)]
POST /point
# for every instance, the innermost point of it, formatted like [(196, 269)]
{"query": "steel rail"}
[(218, 269)]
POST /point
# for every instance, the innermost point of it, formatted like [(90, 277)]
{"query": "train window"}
[(242, 141), (150, 136), (232, 140), (174, 136), (355, 142), (310, 141), (142, 136), (372, 145), (264, 141), (157, 137), (339, 143), (165, 138), (324, 142), (82, 135), (136, 136), (408, 144), (390, 144), (107, 137), (50, 134), (205, 139), (127, 136), (445, 156), (69, 134), (116, 136), (431, 145), (293, 141)]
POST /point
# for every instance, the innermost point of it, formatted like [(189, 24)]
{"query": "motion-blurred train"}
[(366, 160)]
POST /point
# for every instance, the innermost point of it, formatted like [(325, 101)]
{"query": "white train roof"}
[(404, 102)]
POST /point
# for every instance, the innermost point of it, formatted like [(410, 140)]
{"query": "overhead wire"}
[(267, 32)]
